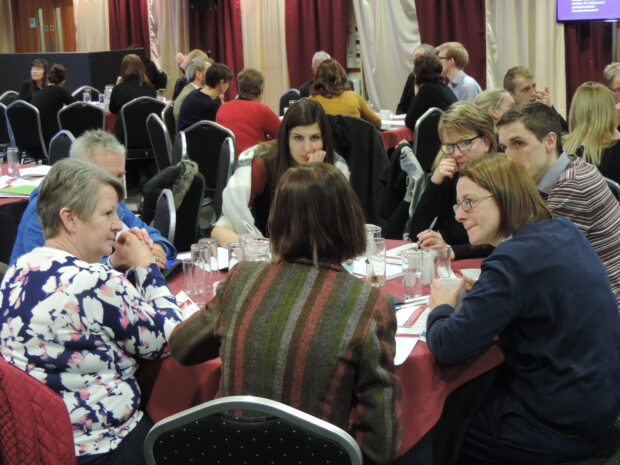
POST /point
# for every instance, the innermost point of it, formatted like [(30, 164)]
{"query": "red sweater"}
[(251, 122)]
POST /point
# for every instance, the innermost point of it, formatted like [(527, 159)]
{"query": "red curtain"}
[(313, 26), (129, 24), (218, 31), (456, 21), (588, 49)]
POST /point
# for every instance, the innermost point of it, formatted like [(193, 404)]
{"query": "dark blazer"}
[(407, 97), (431, 94), (49, 100)]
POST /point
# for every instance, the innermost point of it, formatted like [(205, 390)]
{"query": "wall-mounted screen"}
[(587, 10)]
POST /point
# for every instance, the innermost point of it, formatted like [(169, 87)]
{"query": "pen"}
[(430, 228)]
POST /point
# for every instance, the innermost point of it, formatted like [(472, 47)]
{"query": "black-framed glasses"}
[(442, 58), (463, 145), (468, 204)]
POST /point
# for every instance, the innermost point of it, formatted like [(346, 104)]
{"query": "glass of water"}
[(413, 262)]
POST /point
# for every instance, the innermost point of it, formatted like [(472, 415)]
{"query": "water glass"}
[(195, 282), (256, 249), (161, 94), (212, 245), (101, 99), (201, 253), (235, 254), (414, 261), (108, 92), (441, 261), (86, 96), (375, 262), (373, 231), (12, 156)]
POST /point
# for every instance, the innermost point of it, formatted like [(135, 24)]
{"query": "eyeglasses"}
[(468, 204), (616, 90), (463, 145), (442, 58)]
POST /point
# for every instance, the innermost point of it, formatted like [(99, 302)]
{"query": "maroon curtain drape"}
[(456, 21), (588, 49), (313, 26), (129, 24), (218, 31)]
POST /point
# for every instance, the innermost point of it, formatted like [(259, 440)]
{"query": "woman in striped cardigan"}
[(301, 330)]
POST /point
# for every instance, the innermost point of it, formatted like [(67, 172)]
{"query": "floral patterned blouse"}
[(79, 327)]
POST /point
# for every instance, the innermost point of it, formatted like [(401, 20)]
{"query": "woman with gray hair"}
[(79, 326)]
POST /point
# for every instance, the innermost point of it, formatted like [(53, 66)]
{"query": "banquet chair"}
[(189, 210), (79, 93), (225, 168), (8, 97), (426, 141), (217, 430), (204, 141), (179, 148), (10, 216), (79, 117), (615, 187), (133, 117), (60, 146), (24, 124), (165, 220), (167, 115), (34, 423), (160, 141), (286, 97), (5, 139)]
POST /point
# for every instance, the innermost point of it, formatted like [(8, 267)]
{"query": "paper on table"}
[(393, 256), (391, 271), (37, 170), (400, 117), (187, 306), (222, 257), (411, 329), (473, 273)]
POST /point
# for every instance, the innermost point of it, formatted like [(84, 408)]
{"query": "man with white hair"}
[(318, 58), (103, 149), (195, 73)]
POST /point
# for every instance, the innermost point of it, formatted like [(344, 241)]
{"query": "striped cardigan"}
[(581, 195), (315, 338)]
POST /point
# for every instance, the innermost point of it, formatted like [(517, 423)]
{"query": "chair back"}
[(231, 438), (614, 186), (204, 141), (60, 146), (10, 216), (5, 139), (79, 93), (35, 428), (8, 97), (160, 140), (79, 117), (165, 220), (189, 210), (426, 141), (225, 169), (286, 97), (163, 78), (25, 129), (167, 115), (133, 116), (179, 148)]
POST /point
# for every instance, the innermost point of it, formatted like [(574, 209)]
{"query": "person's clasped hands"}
[(136, 248)]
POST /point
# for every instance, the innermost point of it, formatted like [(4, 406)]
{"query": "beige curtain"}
[(388, 33), (168, 35), (525, 32), (91, 25), (264, 45), (7, 45)]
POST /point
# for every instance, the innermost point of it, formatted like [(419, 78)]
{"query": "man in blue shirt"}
[(103, 149)]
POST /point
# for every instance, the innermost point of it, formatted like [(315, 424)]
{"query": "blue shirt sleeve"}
[(132, 221), (29, 232)]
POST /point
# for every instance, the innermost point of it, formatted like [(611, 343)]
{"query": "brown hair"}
[(512, 74), (217, 72), (250, 83), (456, 51), (331, 79), (537, 118), (316, 216), (132, 69), (512, 188), (427, 68), (277, 154), (57, 74)]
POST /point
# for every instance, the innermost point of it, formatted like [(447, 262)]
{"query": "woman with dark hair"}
[(332, 90), (544, 293), (430, 90), (304, 136), (131, 84), (317, 338), (37, 81), (250, 121), (52, 98)]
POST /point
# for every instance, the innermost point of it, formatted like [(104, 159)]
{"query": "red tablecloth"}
[(425, 383), (392, 137)]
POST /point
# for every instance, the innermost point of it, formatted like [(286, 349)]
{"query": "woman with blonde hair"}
[(495, 102), (332, 90), (466, 133), (593, 133)]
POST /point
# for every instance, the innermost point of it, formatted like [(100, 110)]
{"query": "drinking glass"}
[(101, 99), (256, 249), (441, 263), (373, 231), (212, 244), (413, 263), (195, 280), (235, 254), (86, 96), (161, 94), (12, 156), (201, 253), (375, 262)]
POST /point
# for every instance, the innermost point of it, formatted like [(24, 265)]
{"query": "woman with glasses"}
[(544, 293), (611, 78), (466, 133), (593, 133)]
